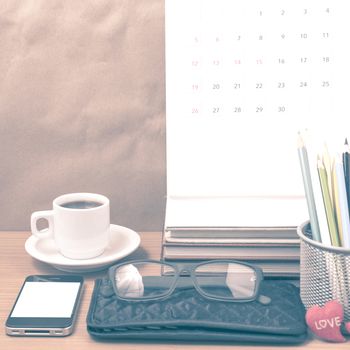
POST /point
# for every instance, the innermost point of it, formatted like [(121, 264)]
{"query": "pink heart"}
[(325, 321)]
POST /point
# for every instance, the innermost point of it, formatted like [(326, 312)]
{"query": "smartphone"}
[(46, 306)]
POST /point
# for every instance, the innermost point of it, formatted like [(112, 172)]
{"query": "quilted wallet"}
[(187, 316)]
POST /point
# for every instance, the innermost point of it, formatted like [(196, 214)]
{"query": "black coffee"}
[(81, 204)]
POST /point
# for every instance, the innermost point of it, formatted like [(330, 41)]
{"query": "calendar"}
[(242, 78)]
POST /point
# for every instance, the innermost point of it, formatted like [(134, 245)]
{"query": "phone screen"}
[(49, 299), (47, 305)]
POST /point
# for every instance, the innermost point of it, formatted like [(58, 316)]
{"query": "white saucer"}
[(123, 241)]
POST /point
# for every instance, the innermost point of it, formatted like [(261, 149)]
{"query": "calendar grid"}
[(230, 52)]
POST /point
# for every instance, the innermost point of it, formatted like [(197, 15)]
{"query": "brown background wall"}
[(82, 107)]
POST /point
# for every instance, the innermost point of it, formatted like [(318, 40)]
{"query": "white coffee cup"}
[(79, 223)]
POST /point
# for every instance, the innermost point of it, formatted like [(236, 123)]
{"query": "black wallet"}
[(187, 316)]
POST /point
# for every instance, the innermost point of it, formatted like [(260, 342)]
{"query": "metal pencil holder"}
[(324, 272)]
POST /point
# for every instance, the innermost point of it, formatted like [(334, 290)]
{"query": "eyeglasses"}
[(224, 280)]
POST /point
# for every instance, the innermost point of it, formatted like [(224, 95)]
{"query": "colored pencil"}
[(341, 202), (327, 162), (346, 166), (310, 200), (316, 186), (328, 203)]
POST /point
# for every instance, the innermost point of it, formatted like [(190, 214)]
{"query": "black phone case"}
[(187, 316)]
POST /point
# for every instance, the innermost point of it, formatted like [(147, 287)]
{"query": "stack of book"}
[(274, 249)]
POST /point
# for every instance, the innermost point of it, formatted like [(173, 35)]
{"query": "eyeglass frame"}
[(190, 269)]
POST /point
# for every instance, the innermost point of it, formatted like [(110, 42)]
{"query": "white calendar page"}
[(242, 77)]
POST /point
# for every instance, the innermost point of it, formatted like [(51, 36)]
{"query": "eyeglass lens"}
[(144, 280), (226, 280)]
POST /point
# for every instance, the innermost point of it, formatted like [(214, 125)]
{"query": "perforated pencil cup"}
[(324, 272)]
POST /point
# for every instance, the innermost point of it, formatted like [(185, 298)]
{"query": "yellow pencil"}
[(336, 203), (332, 226), (327, 162)]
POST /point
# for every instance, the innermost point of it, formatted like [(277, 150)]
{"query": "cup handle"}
[(47, 215)]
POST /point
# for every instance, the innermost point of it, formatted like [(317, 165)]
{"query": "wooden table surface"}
[(16, 264)]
